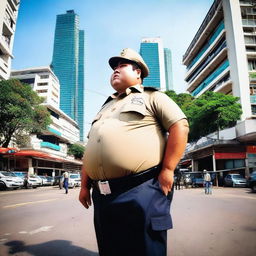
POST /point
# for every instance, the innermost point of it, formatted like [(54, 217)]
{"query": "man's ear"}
[(138, 72)]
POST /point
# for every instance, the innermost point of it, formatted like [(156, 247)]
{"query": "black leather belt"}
[(120, 185)]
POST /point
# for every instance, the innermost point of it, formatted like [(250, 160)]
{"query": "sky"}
[(110, 26)]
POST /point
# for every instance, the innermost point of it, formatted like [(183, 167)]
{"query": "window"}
[(42, 84), (252, 64), (44, 76), (41, 91)]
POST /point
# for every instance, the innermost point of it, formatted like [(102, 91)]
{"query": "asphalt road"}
[(45, 221)]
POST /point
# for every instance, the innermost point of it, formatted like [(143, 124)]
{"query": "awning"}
[(8, 150), (240, 155)]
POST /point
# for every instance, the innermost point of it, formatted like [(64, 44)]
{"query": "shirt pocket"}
[(161, 223), (132, 113)]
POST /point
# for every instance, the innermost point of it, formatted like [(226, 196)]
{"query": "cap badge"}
[(123, 52)]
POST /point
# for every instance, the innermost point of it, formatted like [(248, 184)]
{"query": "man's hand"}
[(85, 197), (166, 180)]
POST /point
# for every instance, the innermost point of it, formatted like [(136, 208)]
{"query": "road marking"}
[(23, 232), (42, 229), (3, 240), (27, 203)]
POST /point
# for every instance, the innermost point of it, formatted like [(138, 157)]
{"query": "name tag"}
[(104, 187)]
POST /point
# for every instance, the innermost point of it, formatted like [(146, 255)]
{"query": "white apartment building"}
[(8, 18), (63, 130), (222, 58)]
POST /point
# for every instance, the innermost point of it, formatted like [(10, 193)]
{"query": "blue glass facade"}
[(68, 65), (168, 69), (150, 54)]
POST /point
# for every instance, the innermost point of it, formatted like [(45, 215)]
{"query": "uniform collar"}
[(135, 88)]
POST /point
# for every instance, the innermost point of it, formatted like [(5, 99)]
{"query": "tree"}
[(76, 150), (20, 111), (208, 113)]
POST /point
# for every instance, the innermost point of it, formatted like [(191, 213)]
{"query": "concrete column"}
[(30, 167), (214, 168), (237, 55)]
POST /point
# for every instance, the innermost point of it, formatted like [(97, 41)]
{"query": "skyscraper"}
[(168, 69), (68, 65), (8, 17), (151, 50)]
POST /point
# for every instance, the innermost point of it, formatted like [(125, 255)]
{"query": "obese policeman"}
[(135, 142)]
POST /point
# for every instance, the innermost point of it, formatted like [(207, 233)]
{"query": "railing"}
[(253, 98), (7, 40), (54, 131), (215, 34), (206, 21), (45, 144), (211, 77), (206, 62), (248, 22)]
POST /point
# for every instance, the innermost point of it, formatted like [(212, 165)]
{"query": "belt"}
[(120, 185)]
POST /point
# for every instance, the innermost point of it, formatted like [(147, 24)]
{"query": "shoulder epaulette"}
[(148, 88)]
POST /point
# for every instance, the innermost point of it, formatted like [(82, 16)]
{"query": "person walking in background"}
[(65, 182), (135, 142), (207, 182)]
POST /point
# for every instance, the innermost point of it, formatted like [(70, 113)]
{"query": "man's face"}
[(124, 76)]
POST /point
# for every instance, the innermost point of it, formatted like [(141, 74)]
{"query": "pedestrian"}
[(178, 175), (207, 182), (65, 182), (129, 162)]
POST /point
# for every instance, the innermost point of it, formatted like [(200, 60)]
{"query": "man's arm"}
[(85, 196), (175, 147)]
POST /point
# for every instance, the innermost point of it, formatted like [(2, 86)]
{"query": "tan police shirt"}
[(129, 133)]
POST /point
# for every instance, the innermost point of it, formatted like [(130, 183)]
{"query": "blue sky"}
[(110, 26)]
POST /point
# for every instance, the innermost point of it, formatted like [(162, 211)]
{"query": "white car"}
[(9, 180), (31, 181), (74, 180), (47, 180)]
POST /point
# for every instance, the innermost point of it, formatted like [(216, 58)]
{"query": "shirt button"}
[(113, 109), (98, 140)]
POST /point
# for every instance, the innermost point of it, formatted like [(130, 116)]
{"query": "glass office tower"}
[(168, 69), (152, 52), (68, 65)]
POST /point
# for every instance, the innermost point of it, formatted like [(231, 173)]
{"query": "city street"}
[(45, 221)]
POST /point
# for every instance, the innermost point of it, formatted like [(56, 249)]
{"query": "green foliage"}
[(76, 150), (20, 111), (208, 113)]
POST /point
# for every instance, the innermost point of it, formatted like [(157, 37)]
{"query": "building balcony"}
[(218, 33), (208, 69), (253, 99), (210, 57), (212, 19), (219, 71), (45, 144), (249, 23)]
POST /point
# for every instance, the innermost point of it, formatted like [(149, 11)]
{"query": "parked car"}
[(47, 180), (9, 180), (74, 180), (197, 182), (31, 181), (235, 180), (251, 182)]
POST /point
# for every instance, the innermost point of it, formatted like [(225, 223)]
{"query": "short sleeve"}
[(165, 109)]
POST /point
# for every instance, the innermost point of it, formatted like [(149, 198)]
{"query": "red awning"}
[(240, 155), (8, 150), (38, 154)]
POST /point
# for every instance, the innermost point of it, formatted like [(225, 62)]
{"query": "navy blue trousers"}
[(133, 223)]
